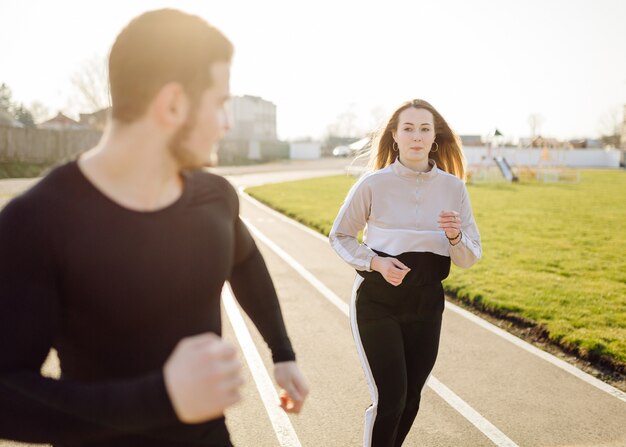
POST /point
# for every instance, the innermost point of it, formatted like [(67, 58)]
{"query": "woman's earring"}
[(435, 149), (394, 146)]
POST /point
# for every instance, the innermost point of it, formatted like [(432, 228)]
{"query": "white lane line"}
[(538, 352), (486, 427), (328, 294), (482, 424), (285, 432), (281, 216), (567, 367)]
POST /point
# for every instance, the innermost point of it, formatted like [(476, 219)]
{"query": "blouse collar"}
[(402, 171)]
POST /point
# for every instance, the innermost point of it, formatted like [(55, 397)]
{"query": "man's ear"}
[(170, 106)]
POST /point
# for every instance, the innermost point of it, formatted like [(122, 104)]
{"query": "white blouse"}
[(398, 209)]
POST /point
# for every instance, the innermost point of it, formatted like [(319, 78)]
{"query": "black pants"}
[(401, 357), (398, 330)]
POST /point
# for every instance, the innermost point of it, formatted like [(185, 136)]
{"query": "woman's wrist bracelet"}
[(451, 239)]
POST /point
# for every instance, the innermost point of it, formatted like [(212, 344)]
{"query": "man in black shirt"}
[(117, 261)]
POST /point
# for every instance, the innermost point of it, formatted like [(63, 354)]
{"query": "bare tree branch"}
[(92, 84), (535, 120)]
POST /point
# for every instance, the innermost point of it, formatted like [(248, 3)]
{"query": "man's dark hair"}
[(159, 47)]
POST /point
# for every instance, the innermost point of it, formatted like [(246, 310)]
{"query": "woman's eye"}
[(425, 129), (408, 129)]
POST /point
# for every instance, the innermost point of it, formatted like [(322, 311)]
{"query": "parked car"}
[(360, 146), (342, 151), (353, 149)]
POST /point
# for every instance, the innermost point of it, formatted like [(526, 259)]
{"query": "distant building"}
[(594, 143), (96, 120), (578, 143), (585, 143), (309, 150), (471, 140), (61, 122), (254, 118), (551, 143), (253, 136)]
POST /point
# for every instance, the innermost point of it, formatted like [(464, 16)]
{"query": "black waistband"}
[(426, 268)]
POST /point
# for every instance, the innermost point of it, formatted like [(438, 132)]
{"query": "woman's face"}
[(415, 135)]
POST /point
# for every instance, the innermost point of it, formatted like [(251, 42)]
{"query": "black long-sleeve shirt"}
[(114, 290)]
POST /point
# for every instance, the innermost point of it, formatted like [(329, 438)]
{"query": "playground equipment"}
[(493, 169), (551, 169), (493, 166), (542, 159), (505, 168)]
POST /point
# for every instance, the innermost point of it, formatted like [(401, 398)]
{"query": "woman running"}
[(416, 215)]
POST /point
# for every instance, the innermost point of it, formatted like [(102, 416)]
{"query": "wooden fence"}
[(32, 145)]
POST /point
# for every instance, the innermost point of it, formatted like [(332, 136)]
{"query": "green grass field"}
[(554, 254), (18, 169)]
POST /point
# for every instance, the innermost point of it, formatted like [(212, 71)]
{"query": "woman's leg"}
[(384, 351), (421, 345)]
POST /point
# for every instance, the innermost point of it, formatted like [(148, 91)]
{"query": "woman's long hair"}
[(449, 157)]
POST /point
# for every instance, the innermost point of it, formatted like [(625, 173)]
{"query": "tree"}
[(23, 115), (39, 112), (17, 110), (6, 97), (535, 120), (378, 115), (91, 82), (611, 127), (345, 124)]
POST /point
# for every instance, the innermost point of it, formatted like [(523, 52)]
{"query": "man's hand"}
[(202, 378), (294, 387), (392, 270)]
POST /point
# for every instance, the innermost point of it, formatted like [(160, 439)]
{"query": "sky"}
[(483, 64)]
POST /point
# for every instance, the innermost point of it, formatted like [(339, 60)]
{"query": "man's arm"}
[(254, 290), (253, 287)]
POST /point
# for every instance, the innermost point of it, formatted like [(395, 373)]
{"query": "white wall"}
[(253, 118), (254, 150), (305, 151), (578, 158)]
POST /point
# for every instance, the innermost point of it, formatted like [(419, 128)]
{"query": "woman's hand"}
[(392, 270), (450, 223)]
